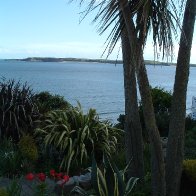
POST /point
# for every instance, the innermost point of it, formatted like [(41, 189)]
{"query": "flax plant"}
[(77, 135)]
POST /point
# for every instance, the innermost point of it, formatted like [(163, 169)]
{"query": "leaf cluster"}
[(10, 158), (159, 18), (109, 180), (76, 135), (189, 167), (28, 148), (17, 109), (47, 102)]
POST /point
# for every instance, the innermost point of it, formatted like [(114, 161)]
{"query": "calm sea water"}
[(94, 85)]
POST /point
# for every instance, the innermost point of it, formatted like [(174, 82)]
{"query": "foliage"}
[(119, 158), (40, 185), (17, 109), (10, 159), (188, 179), (146, 16), (76, 135), (14, 189), (121, 122), (162, 103), (190, 144), (3, 192), (189, 167), (48, 157), (47, 102), (109, 180), (161, 100), (190, 123), (28, 148)]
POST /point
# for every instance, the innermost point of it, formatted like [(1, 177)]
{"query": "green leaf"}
[(94, 175), (109, 176), (130, 184)]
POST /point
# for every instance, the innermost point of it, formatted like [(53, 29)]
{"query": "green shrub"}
[(188, 179), (108, 180), (190, 144), (3, 192), (190, 123), (28, 148), (119, 158), (77, 134), (10, 159), (162, 103), (47, 102), (189, 168), (17, 109), (14, 188), (161, 100)]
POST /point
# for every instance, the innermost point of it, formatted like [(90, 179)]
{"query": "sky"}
[(52, 28)]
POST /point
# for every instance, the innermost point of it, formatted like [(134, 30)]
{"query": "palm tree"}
[(141, 28), (132, 128), (175, 149), (158, 170), (133, 131), (138, 17)]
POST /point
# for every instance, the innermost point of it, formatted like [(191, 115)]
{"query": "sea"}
[(94, 85)]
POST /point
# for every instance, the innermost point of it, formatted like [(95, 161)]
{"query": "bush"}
[(162, 104), (10, 159), (188, 179), (190, 123), (161, 100), (76, 135), (17, 109), (28, 148), (3, 192), (190, 144), (47, 102), (189, 168)]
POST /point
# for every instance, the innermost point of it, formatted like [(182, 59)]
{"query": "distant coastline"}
[(53, 59)]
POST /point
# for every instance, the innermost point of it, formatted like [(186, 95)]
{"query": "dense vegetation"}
[(43, 131)]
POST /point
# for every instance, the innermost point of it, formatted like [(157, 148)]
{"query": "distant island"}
[(53, 59)]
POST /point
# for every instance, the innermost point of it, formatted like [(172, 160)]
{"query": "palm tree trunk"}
[(157, 158), (175, 148), (133, 129), (158, 169)]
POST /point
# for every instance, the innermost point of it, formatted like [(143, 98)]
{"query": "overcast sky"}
[(50, 28)]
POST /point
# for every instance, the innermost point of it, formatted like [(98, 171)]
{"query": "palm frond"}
[(161, 17)]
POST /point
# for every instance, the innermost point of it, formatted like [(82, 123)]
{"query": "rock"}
[(28, 187), (84, 181)]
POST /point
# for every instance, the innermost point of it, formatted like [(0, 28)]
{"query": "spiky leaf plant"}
[(77, 134), (17, 109), (108, 181)]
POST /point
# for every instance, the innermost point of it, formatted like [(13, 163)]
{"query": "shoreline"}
[(86, 60)]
